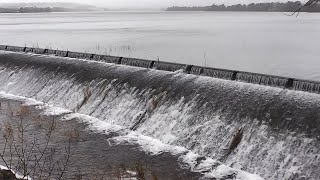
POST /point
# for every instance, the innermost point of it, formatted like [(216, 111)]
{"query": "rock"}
[(7, 175)]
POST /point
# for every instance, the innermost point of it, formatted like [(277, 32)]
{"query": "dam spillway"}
[(281, 126), (255, 78)]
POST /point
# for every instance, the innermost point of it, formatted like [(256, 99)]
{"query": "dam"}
[(199, 109)]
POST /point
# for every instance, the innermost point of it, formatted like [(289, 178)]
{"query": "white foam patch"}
[(95, 124), (26, 101), (54, 111), (213, 169), (148, 144), (191, 159), (209, 167), (48, 110), (223, 171)]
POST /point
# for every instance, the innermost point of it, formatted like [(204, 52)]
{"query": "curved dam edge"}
[(234, 75), (203, 114), (281, 109), (203, 167)]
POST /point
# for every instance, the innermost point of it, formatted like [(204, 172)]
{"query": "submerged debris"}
[(236, 140)]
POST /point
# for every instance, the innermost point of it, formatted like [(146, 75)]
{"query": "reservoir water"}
[(271, 43)]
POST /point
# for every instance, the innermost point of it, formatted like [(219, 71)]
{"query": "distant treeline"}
[(289, 6), (38, 10), (7, 10)]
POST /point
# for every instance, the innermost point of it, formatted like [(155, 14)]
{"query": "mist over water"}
[(271, 43)]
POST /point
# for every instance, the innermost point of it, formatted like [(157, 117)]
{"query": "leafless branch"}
[(307, 4)]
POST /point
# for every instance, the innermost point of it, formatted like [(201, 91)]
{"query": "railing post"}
[(289, 83), (201, 71), (119, 60), (151, 64), (234, 75), (188, 69)]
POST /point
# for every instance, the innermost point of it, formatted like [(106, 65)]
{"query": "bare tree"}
[(31, 146), (30, 153), (307, 4)]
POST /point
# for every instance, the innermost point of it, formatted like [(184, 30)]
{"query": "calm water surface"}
[(272, 43)]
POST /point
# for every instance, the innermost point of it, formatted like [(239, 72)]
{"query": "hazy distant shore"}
[(289, 6), (40, 10), (45, 7)]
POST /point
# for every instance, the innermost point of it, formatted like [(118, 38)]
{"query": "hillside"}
[(289, 6), (45, 7)]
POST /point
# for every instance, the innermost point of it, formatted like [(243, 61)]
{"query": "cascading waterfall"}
[(255, 78), (280, 128)]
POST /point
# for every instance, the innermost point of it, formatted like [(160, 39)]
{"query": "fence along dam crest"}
[(255, 78), (272, 132)]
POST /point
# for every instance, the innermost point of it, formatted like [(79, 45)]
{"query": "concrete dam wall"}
[(255, 78)]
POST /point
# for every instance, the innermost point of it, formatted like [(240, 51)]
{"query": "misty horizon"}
[(144, 4)]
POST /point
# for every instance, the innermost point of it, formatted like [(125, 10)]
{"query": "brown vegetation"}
[(30, 151), (26, 153)]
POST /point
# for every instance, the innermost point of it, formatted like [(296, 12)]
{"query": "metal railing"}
[(255, 78)]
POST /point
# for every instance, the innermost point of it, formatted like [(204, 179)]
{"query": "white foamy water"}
[(210, 168), (165, 123), (271, 43)]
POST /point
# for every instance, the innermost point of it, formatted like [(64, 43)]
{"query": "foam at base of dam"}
[(277, 129)]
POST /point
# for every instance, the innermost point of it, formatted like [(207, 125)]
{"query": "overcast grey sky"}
[(146, 3)]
